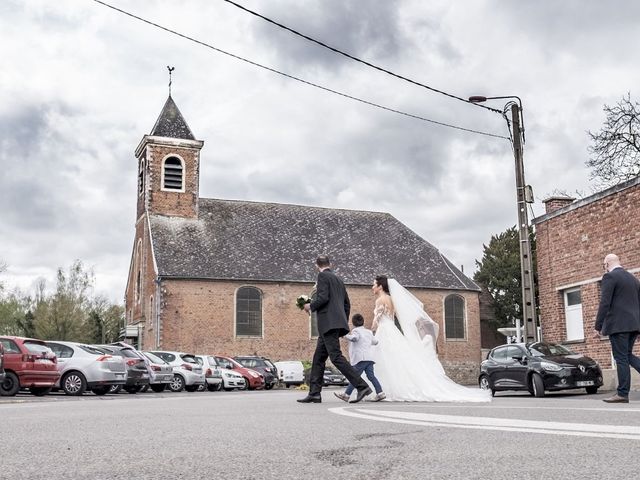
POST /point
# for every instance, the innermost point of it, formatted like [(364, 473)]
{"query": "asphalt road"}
[(268, 435)]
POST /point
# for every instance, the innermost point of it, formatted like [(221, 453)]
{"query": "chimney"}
[(557, 202)]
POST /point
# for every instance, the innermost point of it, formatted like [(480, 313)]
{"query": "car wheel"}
[(288, 385), (40, 391), (102, 389), (591, 390), (177, 384), (10, 386), (213, 388), (144, 388), (191, 388), (74, 383), (133, 389), (485, 384), (159, 388), (269, 386), (537, 385), (246, 384), (115, 388)]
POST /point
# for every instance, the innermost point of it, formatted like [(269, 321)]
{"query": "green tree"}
[(499, 271), (104, 320), (63, 315), (615, 149), (13, 309)]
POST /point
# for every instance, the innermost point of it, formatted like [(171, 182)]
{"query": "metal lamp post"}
[(524, 195)]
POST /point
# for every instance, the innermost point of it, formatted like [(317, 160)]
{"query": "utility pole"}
[(523, 193)]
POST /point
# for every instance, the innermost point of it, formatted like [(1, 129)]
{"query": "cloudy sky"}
[(81, 84)]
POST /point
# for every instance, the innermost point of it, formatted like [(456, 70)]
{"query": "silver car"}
[(187, 372), (212, 372), (83, 367), (160, 372)]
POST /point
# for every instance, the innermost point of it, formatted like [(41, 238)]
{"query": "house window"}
[(150, 316), (248, 312), (173, 174), (454, 317), (573, 314)]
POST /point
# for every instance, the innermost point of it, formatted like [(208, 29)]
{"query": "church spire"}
[(171, 123)]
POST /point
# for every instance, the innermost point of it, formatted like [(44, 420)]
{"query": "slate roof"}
[(255, 241), (171, 123)]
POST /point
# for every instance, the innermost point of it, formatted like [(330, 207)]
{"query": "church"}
[(216, 276)]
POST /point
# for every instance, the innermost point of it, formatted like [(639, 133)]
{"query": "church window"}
[(454, 317), (248, 312), (173, 174), (141, 178)]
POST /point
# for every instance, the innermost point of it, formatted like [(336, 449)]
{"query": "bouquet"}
[(302, 300)]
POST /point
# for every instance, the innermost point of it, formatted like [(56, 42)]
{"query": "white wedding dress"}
[(407, 365)]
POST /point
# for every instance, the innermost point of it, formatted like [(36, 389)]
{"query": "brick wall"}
[(199, 316), (571, 245)]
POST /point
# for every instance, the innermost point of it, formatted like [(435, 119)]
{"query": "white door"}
[(573, 314)]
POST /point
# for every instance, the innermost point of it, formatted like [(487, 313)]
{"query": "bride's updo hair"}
[(382, 281)]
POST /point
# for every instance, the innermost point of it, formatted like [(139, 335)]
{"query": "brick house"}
[(221, 276), (572, 239)]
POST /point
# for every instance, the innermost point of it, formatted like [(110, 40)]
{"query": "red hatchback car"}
[(253, 380), (28, 363)]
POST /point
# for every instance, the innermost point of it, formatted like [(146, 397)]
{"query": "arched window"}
[(138, 270), (454, 316), (248, 312), (150, 315), (173, 174), (141, 178)]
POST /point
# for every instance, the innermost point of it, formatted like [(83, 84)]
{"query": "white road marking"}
[(488, 423)]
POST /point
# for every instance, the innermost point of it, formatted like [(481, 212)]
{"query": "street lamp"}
[(524, 195)]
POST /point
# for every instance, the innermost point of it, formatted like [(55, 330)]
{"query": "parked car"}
[(83, 367), (232, 380), (212, 372), (253, 380), (334, 377), (187, 372), (1, 364), (137, 373), (160, 372), (28, 363), (538, 367), (261, 365), (290, 372)]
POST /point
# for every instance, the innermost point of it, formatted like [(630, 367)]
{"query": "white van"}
[(290, 372)]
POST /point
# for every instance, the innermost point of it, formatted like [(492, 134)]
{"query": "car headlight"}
[(228, 375), (550, 367)]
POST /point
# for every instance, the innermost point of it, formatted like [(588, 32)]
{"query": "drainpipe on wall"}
[(156, 319)]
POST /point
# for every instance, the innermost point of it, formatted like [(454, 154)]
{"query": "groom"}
[(332, 307)]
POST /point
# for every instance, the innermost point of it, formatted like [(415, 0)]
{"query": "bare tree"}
[(615, 149)]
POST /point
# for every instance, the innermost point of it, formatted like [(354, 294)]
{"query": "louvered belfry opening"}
[(173, 174)]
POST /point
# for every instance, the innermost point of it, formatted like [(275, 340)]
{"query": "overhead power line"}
[(336, 92), (340, 52)]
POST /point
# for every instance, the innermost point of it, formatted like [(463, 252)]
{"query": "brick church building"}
[(572, 239), (222, 276)]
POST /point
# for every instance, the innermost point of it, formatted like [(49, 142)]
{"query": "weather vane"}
[(171, 69)]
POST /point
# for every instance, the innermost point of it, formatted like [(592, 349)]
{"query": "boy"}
[(360, 341)]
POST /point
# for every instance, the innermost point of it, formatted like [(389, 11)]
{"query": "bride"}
[(406, 362)]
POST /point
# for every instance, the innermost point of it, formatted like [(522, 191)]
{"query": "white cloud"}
[(81, 84)]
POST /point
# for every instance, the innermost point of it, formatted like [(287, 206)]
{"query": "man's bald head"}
[(611, 261)]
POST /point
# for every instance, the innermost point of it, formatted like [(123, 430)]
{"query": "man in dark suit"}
[(619, 318), (332, 307)]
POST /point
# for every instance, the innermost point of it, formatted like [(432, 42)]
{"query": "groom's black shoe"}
[(361, 394), (310, 399)]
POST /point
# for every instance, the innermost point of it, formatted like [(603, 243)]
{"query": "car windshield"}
[(154, 358), (548, 349), (34, 347), (190, 359), (92, 350), (252, 362)]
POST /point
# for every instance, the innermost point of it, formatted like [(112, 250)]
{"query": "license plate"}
[(585, 383)]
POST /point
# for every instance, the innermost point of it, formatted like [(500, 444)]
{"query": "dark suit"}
[(619, 318), (332, 307)]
